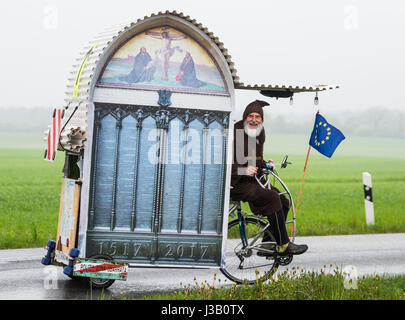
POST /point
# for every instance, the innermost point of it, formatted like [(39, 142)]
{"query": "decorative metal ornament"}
[(164, 98)]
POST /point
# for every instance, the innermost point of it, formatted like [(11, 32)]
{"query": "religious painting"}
[(164, 58)]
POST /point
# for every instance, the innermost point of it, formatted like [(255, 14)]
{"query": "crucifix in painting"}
[(166, 51)]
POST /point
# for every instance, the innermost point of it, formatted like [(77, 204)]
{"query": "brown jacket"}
[(249, 151), (246, 151)]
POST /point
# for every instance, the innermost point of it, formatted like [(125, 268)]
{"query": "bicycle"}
[(243, 262)]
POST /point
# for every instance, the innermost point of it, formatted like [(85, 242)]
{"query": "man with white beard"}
[(249, 137)]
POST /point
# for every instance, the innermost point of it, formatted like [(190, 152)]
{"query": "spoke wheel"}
[(245, 265)]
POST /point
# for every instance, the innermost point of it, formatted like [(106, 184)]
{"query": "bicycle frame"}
[(291, 202), (265, 185), (242, 229), (241, 216)]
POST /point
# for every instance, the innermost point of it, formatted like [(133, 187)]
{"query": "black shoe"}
[(294, 249)]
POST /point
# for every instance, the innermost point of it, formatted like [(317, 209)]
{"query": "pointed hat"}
[(255, 106)]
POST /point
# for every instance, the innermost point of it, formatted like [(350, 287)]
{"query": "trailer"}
[(146, 129)]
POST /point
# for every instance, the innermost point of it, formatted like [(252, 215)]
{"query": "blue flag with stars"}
[(325, 138)]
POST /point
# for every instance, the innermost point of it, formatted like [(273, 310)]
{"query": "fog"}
[(357, 45)]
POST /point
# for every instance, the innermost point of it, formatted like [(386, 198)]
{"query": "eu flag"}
[(325, 138)]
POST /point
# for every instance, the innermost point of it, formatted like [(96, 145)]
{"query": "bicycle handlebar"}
[(285, 162), (269, 166)]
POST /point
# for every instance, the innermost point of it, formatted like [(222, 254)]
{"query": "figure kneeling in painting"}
[(143, 68), (187, 75)]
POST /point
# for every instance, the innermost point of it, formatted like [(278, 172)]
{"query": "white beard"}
[(253, 133)]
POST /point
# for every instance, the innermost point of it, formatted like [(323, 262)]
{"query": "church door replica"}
[(158, 173)]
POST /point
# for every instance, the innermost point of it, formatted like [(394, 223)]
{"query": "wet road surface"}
[(23, 277)]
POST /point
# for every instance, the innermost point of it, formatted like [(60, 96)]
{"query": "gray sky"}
[(358, 45)]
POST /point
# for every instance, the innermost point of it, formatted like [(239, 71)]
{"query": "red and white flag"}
[(53, 135)]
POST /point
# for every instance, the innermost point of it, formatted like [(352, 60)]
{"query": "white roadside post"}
[(368, 198)]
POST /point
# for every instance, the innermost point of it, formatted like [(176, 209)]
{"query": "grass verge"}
[(296, 284)]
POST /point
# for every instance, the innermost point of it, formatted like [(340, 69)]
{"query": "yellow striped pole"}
[(79, 73)]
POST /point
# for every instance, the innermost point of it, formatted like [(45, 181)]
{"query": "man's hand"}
[(251, 171)]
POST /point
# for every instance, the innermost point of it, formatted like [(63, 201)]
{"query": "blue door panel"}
[(172, 176), (212, 194), (193, 176), (146, 173), (104, 172), (157, 184), (126, 172)]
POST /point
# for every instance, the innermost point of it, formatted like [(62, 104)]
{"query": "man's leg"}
[(277, 224), (285, 203), (265, 201), (269, 203)]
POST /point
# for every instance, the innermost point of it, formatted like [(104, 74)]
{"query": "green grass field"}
[(332, 199), (29, 198)]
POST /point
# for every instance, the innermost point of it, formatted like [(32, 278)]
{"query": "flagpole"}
[(302, 182)]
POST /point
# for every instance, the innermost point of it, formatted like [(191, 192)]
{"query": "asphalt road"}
[(23, 277)]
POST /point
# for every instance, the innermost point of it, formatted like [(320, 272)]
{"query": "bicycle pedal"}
[(284, 260)]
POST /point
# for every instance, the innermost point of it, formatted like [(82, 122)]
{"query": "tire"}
[(253, 268), (97, 283)]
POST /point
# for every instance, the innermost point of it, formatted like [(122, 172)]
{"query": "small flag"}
[(325, 138), (53, 135)]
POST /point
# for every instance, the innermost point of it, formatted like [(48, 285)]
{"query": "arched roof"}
[(88, 66), (91, 59)]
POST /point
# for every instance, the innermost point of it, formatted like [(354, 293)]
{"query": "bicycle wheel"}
[(244, 265)]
